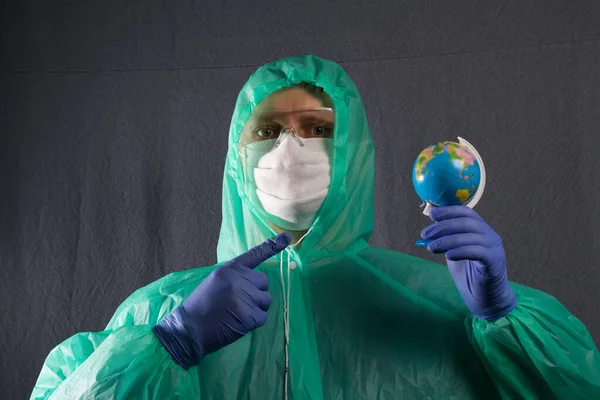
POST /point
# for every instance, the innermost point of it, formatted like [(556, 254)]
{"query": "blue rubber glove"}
[(475, 257), (229, 303)]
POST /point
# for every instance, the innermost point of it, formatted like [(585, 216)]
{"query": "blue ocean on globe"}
[(446, 174)]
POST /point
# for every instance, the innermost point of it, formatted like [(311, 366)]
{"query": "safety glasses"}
[(298, 124)]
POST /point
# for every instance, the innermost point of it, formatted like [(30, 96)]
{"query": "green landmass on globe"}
[(446, 173)]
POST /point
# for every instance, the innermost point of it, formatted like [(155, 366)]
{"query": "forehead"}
[(294, 98)]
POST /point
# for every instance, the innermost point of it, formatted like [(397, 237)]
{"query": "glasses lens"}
[(268, 125)]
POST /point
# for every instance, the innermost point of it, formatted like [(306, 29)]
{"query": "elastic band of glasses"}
[(293, 110)]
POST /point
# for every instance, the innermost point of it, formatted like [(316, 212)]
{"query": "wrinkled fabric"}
[(364, 322)]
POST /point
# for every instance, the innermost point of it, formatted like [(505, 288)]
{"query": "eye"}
[(266, 132), (321, 131)]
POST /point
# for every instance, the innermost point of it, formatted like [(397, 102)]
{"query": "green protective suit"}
[(365, 322)]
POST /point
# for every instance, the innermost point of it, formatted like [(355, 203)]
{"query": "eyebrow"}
[(303, 119), (264, 118), (314, 118)]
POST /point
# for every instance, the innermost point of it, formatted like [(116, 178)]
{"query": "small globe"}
[(446, 174)]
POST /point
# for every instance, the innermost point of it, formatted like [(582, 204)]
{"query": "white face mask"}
[(288, 182)]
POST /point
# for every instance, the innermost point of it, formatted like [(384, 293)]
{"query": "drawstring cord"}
[(286, 309)]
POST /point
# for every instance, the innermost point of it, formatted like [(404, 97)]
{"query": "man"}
[(317, 313)]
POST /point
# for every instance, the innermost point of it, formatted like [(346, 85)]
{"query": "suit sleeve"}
[(128, 363), (126, 360), (539, 350)]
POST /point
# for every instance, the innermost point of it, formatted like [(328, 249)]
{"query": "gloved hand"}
[(475, 257), (228, 304)]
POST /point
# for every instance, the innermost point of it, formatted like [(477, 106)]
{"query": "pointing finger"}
[(261, 253)]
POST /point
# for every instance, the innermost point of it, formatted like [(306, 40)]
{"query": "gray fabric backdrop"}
[(114, 119)]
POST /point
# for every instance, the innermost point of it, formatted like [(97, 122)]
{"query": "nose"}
[(291, 133)]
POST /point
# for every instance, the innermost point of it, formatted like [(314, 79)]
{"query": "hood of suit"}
[(345, 220)]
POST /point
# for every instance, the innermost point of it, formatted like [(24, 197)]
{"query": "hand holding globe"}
[(448, 174)]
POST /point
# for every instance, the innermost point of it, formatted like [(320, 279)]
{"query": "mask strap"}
[(285, 323), (286, 308)]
